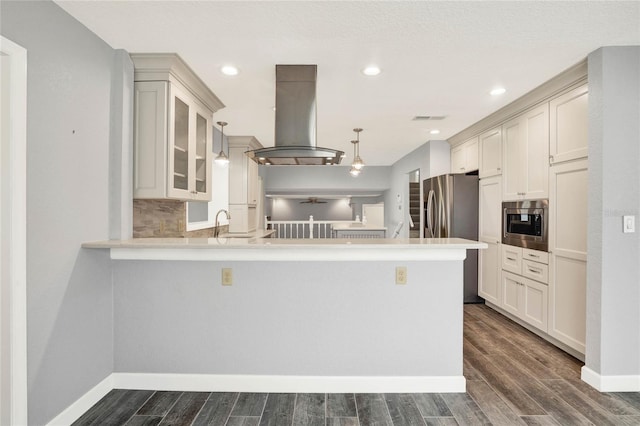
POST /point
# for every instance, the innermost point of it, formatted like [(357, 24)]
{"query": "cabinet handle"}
[(533, 255), (535, 271), (498, 169), (511, 258)]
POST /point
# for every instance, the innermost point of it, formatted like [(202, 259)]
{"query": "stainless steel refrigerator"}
[(451, 211)]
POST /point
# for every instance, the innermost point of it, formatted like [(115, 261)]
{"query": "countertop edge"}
[(244, 249)]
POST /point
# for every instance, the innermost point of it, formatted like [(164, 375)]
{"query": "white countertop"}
[(277, 249)]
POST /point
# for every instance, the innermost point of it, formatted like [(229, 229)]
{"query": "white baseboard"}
[(293, 384), (611, 383), (249, 383), (86, 401)]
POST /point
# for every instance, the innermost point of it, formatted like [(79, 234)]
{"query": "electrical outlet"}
[(227, 276), (401, 274)]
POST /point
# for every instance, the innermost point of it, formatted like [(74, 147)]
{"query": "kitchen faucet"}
[(216, 230)]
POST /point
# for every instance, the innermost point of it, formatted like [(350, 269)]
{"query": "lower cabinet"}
[(489, 273), (524, 285), (526, 299)]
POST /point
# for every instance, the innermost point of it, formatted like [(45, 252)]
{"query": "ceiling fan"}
[(312, 200)]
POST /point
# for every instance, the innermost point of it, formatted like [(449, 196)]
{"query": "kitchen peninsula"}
[(322, 315)]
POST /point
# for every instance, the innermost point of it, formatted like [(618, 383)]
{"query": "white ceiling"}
[(437, 58)]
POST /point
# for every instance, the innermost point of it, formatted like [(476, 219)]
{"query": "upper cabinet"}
[(244, 191), (490, 153), (568, 125), (464, 157), (525, 154), (173, 114), (243, 172)]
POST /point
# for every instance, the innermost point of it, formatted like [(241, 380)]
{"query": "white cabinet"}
[(490, 153), (525, 299), (490, 200), (568, 247), (569, 123), (524, 285), (464, 157), (244, 194), (525, 155), (172, 130)]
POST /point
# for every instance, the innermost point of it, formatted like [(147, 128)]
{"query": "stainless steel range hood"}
[(295, 133)]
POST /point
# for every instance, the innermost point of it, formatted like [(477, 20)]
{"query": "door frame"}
[(13, 267)]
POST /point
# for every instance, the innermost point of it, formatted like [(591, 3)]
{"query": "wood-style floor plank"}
[(341, 405), (607, 401), (243, 421), (497, 377), (309, 410), (581, 402), (540, 421), (159, 404), (342, 421), (403, 409), (216, 409), (279, 409), (249, 404), (628, 420), (372, 409), (185, 409), (631, 398), (144, 421), (498, 412), (432, 405), (116, 408), (465, 410), (441, 421)]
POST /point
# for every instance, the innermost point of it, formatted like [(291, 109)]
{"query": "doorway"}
[(13, 297)]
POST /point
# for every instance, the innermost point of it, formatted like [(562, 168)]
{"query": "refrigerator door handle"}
[(430, 198)]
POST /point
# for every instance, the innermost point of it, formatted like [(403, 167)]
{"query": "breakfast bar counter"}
[(273, 315)]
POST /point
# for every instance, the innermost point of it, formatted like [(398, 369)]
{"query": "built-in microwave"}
[(525, 224)]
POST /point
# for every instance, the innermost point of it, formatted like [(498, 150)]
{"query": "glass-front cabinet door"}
[(202, 172), (189, 148)]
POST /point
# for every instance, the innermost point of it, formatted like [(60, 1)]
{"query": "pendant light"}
[(354, 171), (357, 164), (222, 158)]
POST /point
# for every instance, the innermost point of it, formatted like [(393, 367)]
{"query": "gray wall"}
[(613, 274), (432, 159), (69, 290), (289, 318)]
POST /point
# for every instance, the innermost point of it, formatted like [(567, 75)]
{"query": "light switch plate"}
[(227, 276), (628, 224)]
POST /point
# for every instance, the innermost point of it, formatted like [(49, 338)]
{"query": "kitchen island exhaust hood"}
[(295, 132)]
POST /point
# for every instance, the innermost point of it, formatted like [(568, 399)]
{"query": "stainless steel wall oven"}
[(526, 224)]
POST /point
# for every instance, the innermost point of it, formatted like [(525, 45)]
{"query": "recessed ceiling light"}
[(371, 70), (229, 70), (435, 132), (497, 91)]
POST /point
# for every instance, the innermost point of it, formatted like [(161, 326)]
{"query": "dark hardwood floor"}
[(513, 378)]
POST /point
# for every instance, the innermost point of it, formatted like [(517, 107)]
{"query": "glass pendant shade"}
[(354, 172), (357, 164), (222, 158)]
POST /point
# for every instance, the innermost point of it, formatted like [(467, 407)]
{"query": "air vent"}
[(429, 117)]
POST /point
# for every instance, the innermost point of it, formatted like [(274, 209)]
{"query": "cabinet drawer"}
[(535, 271), (536, 256), (511, 259)]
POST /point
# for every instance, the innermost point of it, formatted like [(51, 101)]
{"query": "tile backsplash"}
[(164, 219)]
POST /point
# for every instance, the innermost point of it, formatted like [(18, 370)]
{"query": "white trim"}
[(299, 254), (290, 384), (18, 225), (84, 403), (628, 383)]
